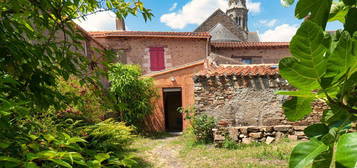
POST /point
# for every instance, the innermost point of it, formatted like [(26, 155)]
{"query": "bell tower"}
[(238, 11)]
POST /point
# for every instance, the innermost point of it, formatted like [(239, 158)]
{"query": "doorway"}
[(172, 101)]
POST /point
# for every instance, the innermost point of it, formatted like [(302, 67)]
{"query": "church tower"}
[(238, 11)]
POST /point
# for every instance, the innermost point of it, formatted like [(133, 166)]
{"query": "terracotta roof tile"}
[(249, 44), (150, 34), (241, 70)]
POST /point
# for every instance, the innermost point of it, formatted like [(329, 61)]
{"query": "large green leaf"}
[(304, 153), (296, 74), (323, 160), (318, 10), (351, 24), (346, 151), (350, 2), (305, 69), (316, 130), (297, 108), (341, 59)]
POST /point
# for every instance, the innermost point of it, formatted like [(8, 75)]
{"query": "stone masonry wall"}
[(246, 101), (265, 134)]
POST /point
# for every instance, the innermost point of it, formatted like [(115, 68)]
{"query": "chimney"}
[(120, 24)]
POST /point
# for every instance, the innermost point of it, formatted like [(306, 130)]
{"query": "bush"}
[(202, 128), (132, 93), (109, 135), (89, 102), (201, 124)]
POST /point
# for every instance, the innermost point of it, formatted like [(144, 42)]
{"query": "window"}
[(247, 60), (157, 61)]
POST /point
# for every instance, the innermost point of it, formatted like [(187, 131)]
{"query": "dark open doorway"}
[(172, 101)]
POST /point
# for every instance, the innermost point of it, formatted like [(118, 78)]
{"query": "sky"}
[(268, 18)]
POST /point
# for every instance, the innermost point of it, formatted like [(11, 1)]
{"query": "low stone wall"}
[(265, 134)]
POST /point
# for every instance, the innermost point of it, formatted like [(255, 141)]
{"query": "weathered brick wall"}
[(246, 101), (259, 56), (135, 50)]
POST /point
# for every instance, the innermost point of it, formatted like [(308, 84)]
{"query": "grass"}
[(192, 154)]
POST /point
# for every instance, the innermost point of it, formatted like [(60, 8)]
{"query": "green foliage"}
[(39, 47), (91, 103), (133, 93), (201, 124), (109, 135), (228, 143), (323, 67), (346, 154)]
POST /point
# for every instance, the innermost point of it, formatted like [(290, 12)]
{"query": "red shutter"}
[(157, 61)]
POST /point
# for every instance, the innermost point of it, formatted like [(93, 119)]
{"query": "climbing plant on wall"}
[(323, 67)]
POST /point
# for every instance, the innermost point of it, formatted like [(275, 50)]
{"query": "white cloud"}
[(268, 23), (98, 21), (173, 7), (196, 11), (254, 7), (281, 33)]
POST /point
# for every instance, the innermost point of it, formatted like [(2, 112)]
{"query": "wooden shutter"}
[(157, 61)]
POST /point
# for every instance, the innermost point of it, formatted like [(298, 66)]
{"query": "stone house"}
[(173, 59)]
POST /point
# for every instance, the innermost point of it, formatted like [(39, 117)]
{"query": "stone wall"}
[(266, 134), (246, 101)]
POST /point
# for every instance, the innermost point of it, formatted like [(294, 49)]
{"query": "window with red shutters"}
[(157, 60)]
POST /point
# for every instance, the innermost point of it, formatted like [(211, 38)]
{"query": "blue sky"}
[(269, 18)]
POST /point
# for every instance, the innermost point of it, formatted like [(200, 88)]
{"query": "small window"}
[(157, 60), (247, 60)]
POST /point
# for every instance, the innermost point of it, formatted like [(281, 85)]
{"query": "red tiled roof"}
[(249, 44), (241, 70), (150, 34)]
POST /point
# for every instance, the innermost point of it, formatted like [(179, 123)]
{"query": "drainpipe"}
[(207, 51)]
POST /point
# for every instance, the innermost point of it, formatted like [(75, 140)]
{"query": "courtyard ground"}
[(170, 151)]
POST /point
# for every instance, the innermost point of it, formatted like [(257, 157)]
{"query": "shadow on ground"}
[(161, 135)]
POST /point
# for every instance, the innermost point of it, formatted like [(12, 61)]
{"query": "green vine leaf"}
[(346, 154), (297, 108), (304, 153), (308, 64)]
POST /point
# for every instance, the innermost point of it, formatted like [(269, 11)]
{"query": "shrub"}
[(109, 135), (89, 102), (201, 124), (132, 93)]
